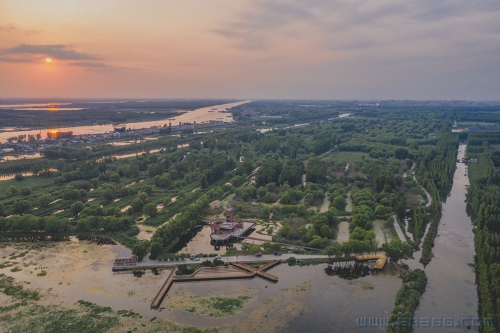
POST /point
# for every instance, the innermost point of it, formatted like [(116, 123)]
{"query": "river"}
[(200, 115), (451, 290)]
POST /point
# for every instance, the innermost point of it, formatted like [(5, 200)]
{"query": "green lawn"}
[(348, 156)]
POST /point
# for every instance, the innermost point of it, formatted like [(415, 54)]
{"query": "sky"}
[(272, 49)]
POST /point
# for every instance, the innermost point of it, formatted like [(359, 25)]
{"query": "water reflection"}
[(348, 271)]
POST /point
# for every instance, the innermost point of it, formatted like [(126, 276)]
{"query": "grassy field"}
[(472, 123), (31, 182), (348, 156)]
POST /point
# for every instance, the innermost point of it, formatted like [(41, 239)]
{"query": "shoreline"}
[(185, 116)]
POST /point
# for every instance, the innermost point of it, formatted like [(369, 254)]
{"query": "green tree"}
[(396, 250), (140, 249), (381, 211), (114, 177), (136, 205), (155, 249), (261, 192), (76, 208), (25, 191), (292, 172), (143, 196), (286, 198), (45, 200), (265, 211), (269, 197), (316, 171), (150, 210), (21, 207), (12, 190), (148, 189), (339, 202), (108, 194)]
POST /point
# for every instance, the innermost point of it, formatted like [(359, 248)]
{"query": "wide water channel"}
[(200, 115), (451, 297)]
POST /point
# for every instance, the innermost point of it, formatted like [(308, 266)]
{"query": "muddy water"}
[(380, 234), (303, 297), (337, 305), (326, 204), (451, 289), (343, 232), (348, 207), (321, 303)]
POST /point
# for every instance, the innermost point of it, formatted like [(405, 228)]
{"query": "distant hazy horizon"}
[(251, 49), (4, 100)]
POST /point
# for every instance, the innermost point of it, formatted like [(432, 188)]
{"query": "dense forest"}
[(285, 173), (482, 205)]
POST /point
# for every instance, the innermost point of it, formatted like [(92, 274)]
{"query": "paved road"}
[(398, 229), (250, 258)]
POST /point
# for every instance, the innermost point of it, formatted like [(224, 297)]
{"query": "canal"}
[(451, 290)]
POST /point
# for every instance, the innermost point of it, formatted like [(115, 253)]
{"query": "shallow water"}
[(348, 207), (378, 228), (343, 232)]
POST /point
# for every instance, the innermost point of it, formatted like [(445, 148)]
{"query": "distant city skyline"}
[(263, 49)]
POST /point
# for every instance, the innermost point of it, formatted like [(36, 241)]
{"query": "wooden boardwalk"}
[(380, 257), (235, 271), (261, 271), (164, 290), (214, 273)]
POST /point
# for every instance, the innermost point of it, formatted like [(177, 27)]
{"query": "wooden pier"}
[(380, 257), (164, 290), (261, 271), (236, 270)]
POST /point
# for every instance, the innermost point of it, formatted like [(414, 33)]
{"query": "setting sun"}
[(48, 60)]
